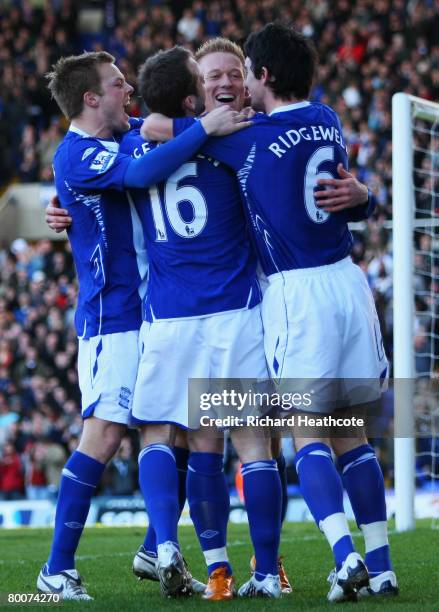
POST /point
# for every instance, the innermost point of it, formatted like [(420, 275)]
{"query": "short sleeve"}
[(92, 166), (135, 123)]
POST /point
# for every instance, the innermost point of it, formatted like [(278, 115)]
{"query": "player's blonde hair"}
[(220, 45)]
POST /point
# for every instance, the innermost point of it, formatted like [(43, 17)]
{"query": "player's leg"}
[(364, 367), (158, 478), (241, 356), (261, 482), (181, 452), (145, 559), (156, 405), (303, 330), (276, 452), (322, 489), (364, 483), (209, 504), (79, 479), (149, 548), (107, 369)]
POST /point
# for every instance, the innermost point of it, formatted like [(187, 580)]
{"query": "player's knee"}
[(200, 444), (101, 439), (344, 445), (252, 448), (158, 434)]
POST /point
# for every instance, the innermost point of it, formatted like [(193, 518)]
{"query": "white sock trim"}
[(216, 555), (163, 448), (335, 527), (365, 457), (375, 535)]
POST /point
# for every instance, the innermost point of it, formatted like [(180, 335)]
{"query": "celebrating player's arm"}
[(161, 162), (113, 170), (334, 194)]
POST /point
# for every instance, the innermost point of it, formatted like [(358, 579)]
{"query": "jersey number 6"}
[(312, 175)]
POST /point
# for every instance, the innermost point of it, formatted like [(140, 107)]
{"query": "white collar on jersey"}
[(110, 145), (290, 107)]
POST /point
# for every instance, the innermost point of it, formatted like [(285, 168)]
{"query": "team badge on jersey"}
[(102, 161)]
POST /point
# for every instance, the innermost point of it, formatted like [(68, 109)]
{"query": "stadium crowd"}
[(368, 50)]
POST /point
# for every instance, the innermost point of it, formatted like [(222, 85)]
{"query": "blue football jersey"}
[(201, 261), (278, 161), (106, 234)]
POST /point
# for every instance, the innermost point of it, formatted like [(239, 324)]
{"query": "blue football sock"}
[(321, 487), (158, 482), (150, 541), (80, 476), (209, 503), (181, 459), (364, 483), (282, 469), (262, 494)]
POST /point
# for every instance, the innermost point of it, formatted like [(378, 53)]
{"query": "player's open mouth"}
[(225, 98)]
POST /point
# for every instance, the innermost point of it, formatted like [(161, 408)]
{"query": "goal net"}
[(415, 138)]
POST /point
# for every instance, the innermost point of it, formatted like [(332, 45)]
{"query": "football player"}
[(319, 317)]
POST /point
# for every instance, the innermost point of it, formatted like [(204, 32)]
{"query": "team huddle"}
[(169, 242)]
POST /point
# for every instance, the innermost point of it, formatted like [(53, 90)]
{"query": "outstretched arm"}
[(164, 160), (160, 128)]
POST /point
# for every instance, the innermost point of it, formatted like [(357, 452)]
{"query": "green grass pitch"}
[(105, 557)]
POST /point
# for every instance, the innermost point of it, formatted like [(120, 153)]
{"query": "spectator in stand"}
[(36, 482), (11, 474), (53, 457), (122, 472)]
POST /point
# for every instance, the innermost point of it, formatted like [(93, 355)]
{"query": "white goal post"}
[(404, 109)]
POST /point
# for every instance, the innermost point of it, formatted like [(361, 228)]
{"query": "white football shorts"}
[(107, 370), (321, 325), (221, 346)]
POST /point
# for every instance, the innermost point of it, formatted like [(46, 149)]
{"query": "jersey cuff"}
[(371, 204)]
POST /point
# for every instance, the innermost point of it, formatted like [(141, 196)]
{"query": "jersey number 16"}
[(173, 196)]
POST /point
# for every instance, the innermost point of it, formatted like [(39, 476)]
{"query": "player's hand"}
[(157, 127), (223, 120), (248, 112), (57, 218), (338, 194)]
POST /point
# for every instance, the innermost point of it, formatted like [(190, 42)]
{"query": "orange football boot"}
[(284, 582), (220, 586)]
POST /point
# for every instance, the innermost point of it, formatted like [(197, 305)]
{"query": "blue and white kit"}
[(109, 253), (202, 305), (314, 288), (111, 264)]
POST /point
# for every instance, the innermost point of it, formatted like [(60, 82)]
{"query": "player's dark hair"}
[(162, 71), (72, 76), (289, 57)]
